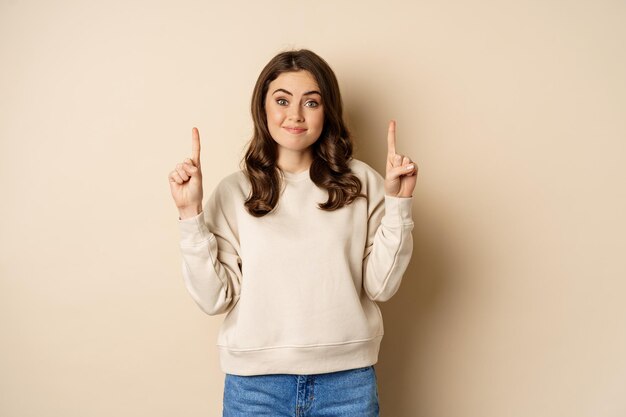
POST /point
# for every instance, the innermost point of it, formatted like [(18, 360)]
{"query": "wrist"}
[(188, 212)]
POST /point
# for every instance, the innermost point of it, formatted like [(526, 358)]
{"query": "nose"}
[(295, 113)]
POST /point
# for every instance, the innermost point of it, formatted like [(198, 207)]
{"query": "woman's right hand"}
[(186, 181)]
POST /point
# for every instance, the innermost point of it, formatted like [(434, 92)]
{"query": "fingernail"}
[(410, 166)]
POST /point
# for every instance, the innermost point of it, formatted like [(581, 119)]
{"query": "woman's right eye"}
[(281, 102)]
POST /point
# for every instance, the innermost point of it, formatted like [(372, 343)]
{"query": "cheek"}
[(273, 116), (319, 120)]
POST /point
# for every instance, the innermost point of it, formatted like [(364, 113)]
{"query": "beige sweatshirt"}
[(299, 286)]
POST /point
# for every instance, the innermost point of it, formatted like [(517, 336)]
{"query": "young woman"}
[(296, 248)]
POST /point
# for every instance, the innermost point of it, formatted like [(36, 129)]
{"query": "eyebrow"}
[(305, 94)]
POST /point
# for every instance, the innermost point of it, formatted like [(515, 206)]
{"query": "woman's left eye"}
[(311, 103)]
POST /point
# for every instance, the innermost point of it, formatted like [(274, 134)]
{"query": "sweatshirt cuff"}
[(398, 211), (193, 230)]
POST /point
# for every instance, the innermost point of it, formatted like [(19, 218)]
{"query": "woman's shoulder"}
[(364, 171), (235, 182)]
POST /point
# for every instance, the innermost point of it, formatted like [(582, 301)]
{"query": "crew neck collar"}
[(296, 176)]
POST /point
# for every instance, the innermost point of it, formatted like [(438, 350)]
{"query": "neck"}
[(295, 163)]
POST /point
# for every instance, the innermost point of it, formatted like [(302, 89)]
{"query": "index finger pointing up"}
[(391, 138), (195, 146)]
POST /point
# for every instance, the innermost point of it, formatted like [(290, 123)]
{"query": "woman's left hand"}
[(401, 173)]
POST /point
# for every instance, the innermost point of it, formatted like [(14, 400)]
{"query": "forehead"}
[(294, 81)]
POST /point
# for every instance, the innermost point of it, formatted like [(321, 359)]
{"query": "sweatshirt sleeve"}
[(389, 244), (210, 250)]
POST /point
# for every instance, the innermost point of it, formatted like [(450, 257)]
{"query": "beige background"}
[(514, 110)]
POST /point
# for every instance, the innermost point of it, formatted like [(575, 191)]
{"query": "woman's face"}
[(295, 112)]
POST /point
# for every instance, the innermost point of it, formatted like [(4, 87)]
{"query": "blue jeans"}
[(349, 393)]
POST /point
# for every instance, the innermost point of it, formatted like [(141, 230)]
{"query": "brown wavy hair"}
[(331, 152)]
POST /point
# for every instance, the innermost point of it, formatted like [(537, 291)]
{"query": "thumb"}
[(401, 170)]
